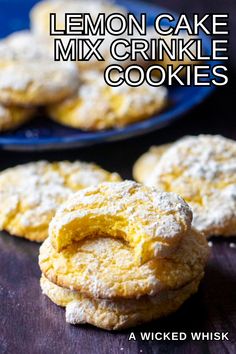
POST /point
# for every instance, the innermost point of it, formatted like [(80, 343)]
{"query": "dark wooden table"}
[(30, 323)]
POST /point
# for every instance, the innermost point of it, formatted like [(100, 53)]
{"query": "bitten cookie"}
[(107, 268), (126, 250), (152, 223), (31, 193), (97, 106), (13, 117), (202, 170), (29, 76)]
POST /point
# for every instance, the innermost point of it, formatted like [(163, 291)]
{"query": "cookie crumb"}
[(232, 245), (210, 243)]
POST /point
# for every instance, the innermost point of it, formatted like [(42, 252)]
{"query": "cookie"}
[(202, 170), (31, 193), (152, 223), (23, 45), (116, 314), (30, 77), (13, 117), (106, 267), (98, 106)]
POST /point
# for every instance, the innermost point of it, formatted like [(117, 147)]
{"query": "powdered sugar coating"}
[(29, 76), (30, 194), (152, 222), (115, 106), (24, 84), (106, 267), (115, 314), (202, 170), (23, 45)]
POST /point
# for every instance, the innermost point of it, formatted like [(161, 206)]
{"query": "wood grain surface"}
[(30, 323)]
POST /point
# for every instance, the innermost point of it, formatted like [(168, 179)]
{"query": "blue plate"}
[(43, 134)]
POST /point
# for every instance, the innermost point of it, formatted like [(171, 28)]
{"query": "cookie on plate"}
[(202, 170), (127, 250), (13, 117), (31, 193), (24, 45), (97, 106), (29, 76)]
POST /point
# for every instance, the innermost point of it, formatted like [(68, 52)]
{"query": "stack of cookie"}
[(30, 194), (120, 254), (201, 169)]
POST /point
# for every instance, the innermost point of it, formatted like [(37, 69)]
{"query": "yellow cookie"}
[(106, 267), (152, 223), (202, 170), (23, 45), (30, 77), (116, 314), (13, 117), (31, 193), (98, 106)]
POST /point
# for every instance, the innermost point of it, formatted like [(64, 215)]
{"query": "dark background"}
[(32, 324)]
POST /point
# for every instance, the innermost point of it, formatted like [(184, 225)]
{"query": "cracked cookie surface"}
[(29, 76), (202, 170), (108, 107), (120, 254), (151, 222), (31, 193), (106, 267)]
